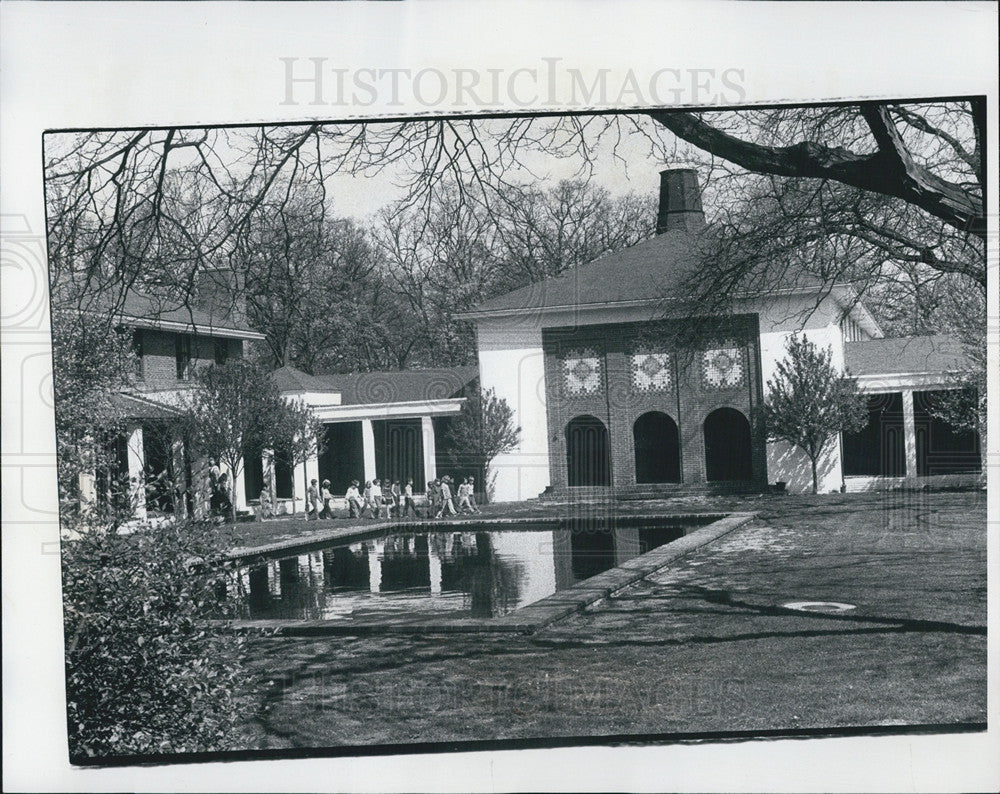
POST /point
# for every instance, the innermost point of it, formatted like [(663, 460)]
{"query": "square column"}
[(240, 489), (136, 454), (909, 434), (181, 485), (368, 447), (87, 479), (270, 485), (430, 449)]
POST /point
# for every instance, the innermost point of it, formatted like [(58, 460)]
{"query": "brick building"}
[(171, 340), (604, 397)]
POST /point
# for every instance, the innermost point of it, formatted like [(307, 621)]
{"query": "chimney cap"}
[(680, 201), (679, 166)]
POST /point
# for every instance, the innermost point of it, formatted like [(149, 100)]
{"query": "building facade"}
[(172, 340), (607, 395), (386, 425)]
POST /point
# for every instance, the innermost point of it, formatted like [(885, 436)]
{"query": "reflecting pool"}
[(469, 573)]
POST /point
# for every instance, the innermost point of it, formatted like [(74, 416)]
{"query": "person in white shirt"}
[(312, 500), (354, 504), (472, 494), (375, 499), (464, 505), (447, 507), (368, 498), (408, 503)]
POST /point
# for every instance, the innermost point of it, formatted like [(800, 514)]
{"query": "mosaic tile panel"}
[(723, 367), (581, 371), (650, 371)]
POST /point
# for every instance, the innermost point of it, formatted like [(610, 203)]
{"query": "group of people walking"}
[(388, 498)]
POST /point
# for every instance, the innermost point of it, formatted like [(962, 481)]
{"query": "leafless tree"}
[(114, 186)]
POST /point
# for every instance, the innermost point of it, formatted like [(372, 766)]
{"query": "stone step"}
[(652, 491)]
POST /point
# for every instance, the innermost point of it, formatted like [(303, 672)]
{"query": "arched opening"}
[(727, 446), (587, 453), (657, 448)]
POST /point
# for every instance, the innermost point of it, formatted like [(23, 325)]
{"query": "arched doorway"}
[(587, 453), (657, 448), (727, 446)]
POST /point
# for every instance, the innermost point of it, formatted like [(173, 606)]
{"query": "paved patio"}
[(702, 645)]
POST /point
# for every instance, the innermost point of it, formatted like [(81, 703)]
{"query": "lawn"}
[(702, 645)]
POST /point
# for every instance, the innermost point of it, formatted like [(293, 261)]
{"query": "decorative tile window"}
[(581, 371), (723, 367), (651, 371)]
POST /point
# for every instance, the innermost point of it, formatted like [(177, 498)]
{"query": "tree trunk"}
[(812, 460), (305, 482), (232, 493)]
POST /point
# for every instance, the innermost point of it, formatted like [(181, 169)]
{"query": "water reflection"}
[(478, 573)]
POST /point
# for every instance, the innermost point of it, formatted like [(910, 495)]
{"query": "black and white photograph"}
[(539, 408)]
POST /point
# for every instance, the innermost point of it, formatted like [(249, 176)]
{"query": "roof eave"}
[(175, 325), (507, 312)]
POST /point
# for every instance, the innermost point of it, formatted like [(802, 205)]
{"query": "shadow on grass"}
[(851, 624)]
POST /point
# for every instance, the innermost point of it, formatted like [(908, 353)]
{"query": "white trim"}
[(897, 381), (315, 399), (401, 410), (191, 328)]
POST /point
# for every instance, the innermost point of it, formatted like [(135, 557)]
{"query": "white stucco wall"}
[(511, 362), (780, 318)]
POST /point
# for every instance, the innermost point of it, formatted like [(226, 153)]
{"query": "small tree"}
[(234, 407), (809, 401), (483, 429), (300, 436)]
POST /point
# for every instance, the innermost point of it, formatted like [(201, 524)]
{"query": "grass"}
[(703, 645)]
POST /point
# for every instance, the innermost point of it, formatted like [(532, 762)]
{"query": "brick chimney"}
[(217, 293), (680, 201)]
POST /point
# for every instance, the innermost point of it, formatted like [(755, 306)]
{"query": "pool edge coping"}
[(531, 617), (360, 532)]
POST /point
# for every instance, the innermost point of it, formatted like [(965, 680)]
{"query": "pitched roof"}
[(908, 354), (137, 407), (290, 379), (647, 272), (156, 311), (366, 388)]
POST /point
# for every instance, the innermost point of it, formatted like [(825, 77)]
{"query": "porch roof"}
[(908, 355), (379, 388), (138, 407)]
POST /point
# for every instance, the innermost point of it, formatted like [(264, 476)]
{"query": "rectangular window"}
[(221, 351), (182, 355)]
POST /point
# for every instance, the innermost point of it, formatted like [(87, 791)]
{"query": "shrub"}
[(146, 673)]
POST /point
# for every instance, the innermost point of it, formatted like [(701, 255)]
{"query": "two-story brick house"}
[(171, 339)]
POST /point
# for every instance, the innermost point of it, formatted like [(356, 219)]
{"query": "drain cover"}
[(819, 606)]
